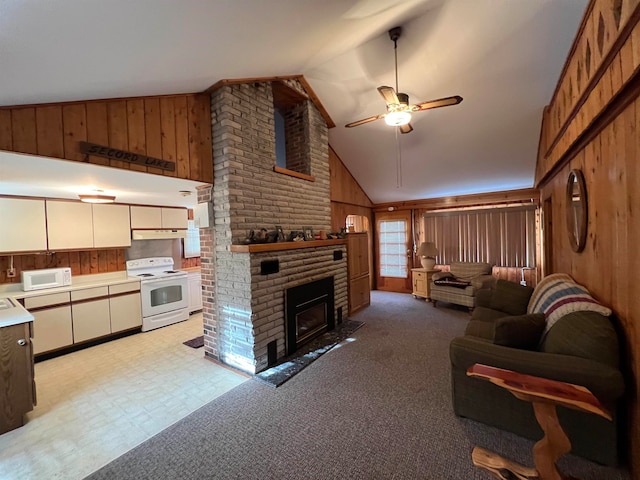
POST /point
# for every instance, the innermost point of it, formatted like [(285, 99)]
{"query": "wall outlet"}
[(11, 272)]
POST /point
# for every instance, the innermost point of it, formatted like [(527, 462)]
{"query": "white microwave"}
[(45, 278)]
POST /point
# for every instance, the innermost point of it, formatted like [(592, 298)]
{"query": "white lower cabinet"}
[(126, 311), (195, 291), (52, 327), (90, 313), (62, 319)]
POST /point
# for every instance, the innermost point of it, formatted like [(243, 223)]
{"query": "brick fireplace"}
[(244, 302)]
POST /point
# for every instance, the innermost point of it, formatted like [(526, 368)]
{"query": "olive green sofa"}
[(580, 348)]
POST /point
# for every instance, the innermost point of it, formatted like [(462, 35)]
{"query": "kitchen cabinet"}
[(195, 291), (52, 325), (90, 313), (111, 226), (358, 271), (69, 225), (17, 386), (77, 225), (24, 225), (158, 218), (125, 306), (421, 280)]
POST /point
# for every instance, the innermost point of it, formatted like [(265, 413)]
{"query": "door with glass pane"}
[(393, 242)]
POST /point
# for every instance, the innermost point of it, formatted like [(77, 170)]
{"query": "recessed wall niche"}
[(292, 128)]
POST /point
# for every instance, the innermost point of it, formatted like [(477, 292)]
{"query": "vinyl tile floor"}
[(98, 403)]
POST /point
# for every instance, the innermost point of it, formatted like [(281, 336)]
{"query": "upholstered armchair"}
[(461, 283)]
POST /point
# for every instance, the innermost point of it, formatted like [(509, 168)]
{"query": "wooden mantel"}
[(280, 246)]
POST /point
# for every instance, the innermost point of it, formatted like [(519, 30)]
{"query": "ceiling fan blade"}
[(389, 95), (405, 128), (441, 102), (364, 120)]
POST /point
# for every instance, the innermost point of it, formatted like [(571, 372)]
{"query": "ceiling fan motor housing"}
[(403, 99)]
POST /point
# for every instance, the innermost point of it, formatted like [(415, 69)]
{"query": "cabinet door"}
[(359, 293), (24, 225), (146, 217), (419, 283), (195, 291), (91, 319), (174, 218), (111, 226), (69, 225), (52, 329), (16, 376), (358, 254), (126, 312)]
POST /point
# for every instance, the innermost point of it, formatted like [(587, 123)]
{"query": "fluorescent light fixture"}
[(397, 119), (97, 198)]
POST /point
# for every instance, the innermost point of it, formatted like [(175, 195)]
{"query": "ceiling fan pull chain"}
[(398, 163)]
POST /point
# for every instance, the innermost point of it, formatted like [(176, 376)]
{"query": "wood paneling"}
[(598, 132), (174, 127), (345, 188), (81, 262)]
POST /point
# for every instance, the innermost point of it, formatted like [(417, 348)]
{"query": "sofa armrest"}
[(605, 382), (484, 281)]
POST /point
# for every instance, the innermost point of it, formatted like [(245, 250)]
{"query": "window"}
[(505, 237), (291, 125), (393, 248), (192, 241)]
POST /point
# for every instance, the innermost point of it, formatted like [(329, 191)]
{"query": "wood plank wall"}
[(593, 124), (82, 262), (174, 127)]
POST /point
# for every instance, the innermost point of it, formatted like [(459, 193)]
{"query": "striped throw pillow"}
[(557, 295)]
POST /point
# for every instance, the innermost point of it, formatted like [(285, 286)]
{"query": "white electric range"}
[(163, 291)]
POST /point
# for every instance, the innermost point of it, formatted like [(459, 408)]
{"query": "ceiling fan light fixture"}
[(397, 119)]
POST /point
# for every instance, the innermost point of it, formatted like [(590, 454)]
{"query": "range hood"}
[(157, 234)]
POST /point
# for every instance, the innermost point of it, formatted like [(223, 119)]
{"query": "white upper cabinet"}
[(111, 227), (77, 225), (174, 218), (158, 217), (23, 225), (69, 225), (146, 217)]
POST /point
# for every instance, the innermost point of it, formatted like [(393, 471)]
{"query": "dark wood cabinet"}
[(17, 386), (358, 266)]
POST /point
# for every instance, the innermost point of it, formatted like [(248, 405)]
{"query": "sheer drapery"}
[(504, 237)]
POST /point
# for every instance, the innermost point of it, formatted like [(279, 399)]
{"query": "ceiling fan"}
[(398, 107)]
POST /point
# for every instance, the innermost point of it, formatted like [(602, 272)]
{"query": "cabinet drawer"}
[(420, 275), (46, 300), (124, 288), (96, 292)]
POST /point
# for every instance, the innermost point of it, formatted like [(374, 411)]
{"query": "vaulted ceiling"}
[(503, 57)]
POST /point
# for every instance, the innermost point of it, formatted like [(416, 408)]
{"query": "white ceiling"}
[(503, 57)]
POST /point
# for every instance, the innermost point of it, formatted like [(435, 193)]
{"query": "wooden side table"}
[(544, 395), (421, 281)]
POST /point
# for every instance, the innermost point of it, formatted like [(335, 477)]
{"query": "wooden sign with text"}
[(115, 154)]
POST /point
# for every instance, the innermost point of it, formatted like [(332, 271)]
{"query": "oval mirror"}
[(577, 210)]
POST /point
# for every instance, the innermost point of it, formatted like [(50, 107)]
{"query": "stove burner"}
[(145, 275), (170, 271)]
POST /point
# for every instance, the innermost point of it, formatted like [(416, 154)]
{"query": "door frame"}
[(394, 284)]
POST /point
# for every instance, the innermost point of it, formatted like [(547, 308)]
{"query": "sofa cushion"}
[(584, 334), (468, 270), (485, 314), (480, 329), (452, 282), (510, 297), (519, 331)]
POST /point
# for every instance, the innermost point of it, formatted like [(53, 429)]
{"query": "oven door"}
[(163, 295)]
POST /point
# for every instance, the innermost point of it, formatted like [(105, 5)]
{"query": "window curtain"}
[(504, 237)]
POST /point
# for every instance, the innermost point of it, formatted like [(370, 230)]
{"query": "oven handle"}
[(164, 279)]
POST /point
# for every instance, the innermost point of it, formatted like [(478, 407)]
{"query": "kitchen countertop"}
[(78, 282), (191, 269), (12, 313)]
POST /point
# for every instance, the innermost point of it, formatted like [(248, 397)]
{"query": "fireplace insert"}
[(309, 312)]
